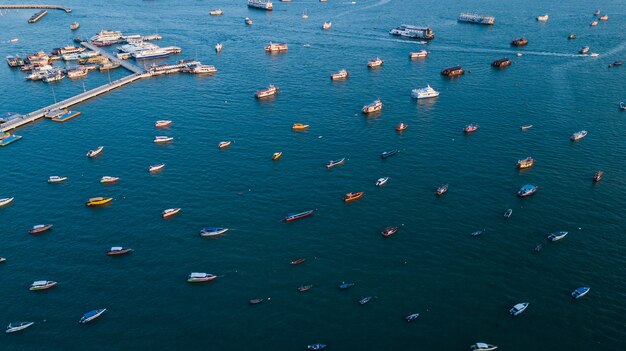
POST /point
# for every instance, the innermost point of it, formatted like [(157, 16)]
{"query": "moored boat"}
[(224, 144), (119, 250), (163, 139), (501, 63), (418, 54), (297, 262), (481, 346), (197, 277), (40, 228), (401, 127), (170, 212), (263, 93), (299, 126), (373, 107), (353, 196), (470, 128), (65, 116), (316, 347), (526, 127), (442, 190), (518, 308), (109, 179), (556, 236), (525, 163), (98, 201), (519, 42), (96, 152), (390, 153), (295, 216), (277, 155), (91, 315), (578, 135), (334, 163), (527, 190), (156, 168), (276, 47), (5, 201), (543, 18), (424, 93), (598, 176), (411, 317), (580, 292), (382, 181), (453, 71), (56, 179), (8, 138), (341, 75), (212, 231), (42, 285), (163, 123), (377, 62), (389, 231), (17, 326)]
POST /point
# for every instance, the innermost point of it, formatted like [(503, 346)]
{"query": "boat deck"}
[(129, 66)]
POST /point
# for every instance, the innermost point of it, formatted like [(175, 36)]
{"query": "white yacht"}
[(415, 32), (261, 4), (107, 35), (150, 54), (424, 93), (134, 47)]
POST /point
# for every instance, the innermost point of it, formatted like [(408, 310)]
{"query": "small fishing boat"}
[(377, 62), (525, 163), (373, 107), (74, 26), (442, 190), (109, 180), (470, 128), (365, 300), (96, 152), (527, 190), (5, 201), (224, 144), (170, 212), (98, 201), (411, 317), (597, 13), (543, 18), (212, 231), (118, 251), (334, 163), (584, 50), (40, 228), (345, 285), (580, 292), (255, 301), (481, 346), (248, 21), (519, 308), (91, 315), (478, 232), (316, 347), (163, 139), (299, 127), (156, 168), (42, 285), (386, 154), (571, 36), (401, 127), (276, 47), (382, 181), (56, 179), (578, 135), (520, 42), (327, 25), (197, 277), (341, 75), (598, 176), (594, 23), (162, 123), (295, 216), (603, 17), (303, 288), (501, 63), (556, 236), (17, 326), (538, 247), (298, 261), (389, 231), (353, 196), (277, 155), (508, 213), (216, 12), (526, 127), (218, 47), (418, 54)]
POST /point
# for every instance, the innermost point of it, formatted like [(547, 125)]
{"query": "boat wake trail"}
[(505, 51), (380, 3)]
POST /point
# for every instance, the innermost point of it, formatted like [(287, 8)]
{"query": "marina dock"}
[(129, 66), (52, 7)]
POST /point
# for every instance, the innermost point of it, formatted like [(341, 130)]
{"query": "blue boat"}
[(9, 138), (527, 190), (318, 346), (580, 292), (386, 154), (91, 315), (345, 285)]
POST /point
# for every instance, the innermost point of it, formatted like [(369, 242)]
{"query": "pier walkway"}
[(129, 66), (53, 7)]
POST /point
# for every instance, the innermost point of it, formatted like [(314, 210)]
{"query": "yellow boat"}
[(98, 201), (277, 155), (300, 126)]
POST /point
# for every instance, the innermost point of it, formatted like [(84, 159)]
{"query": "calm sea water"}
[(462, 286)]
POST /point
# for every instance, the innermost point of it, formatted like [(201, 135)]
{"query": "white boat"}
[(519, 308), (91, 315), (151, 54), (56, 179), (109, 179), (96, 152), (163, 139), (136, 46), (212, 231), (77, 73), (373, 107), (483, 346), (594, 54), (42, 285), (6, 201), (216, 12), (55, 77), (543, 18), (156, 168), (170, 212), (14, 40), (377, 62), (424, 93), (261, 4), (382, 181), (556, 236), (414, 32), (107, 36), (327, 25), (218, 47), (578, 135), (305, 15), (17, 326), (203, 69), (418, 54)]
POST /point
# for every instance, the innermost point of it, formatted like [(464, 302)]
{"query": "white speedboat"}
[(424, 93), (543, 18), (483, 346), (212, 231), (556, 236), (327, 25), (519, 308), (96, 152), (578, 135), (382, 181), (156, 168), (5, 201), (163, 139), (17, 326), (218, 47), (200, 277), (56, 179), (109, 179)]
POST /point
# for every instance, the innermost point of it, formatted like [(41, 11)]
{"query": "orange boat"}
[(224, 144), (298, 261), (401, 127), (300, 126), (353, 196)]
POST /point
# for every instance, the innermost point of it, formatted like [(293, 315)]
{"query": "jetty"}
[(19, 7), (129, 66)]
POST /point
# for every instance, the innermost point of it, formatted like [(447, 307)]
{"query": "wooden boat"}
[(508, 213), (56, 179), (42, 285), (170, 212), (527, 190), (109, 180), (295, 216), (353, 196), (298, 261), (303, 288), (98, 201), (344, 285), (556, 236), (481, 346), (299, 127), (401, 127), (526, 127), (598, 176), (373, 107), (501, 63), (386, 154), (277, 155), (163, 123), (255, 301), (377, 62), (389, 231), (5, 201), (453, 71), (470, 128), (382, 181), (519, 308), (341, 75), (96, 152), (118, 251), (17, 326), (411, 317), (200, 277), (40, 228), (156, 168), (520, 42), (274, 48), (334, 163), (263, 93), (91, 315), (580, 292), (224, 144), (441, 190), (525, 163), (212, 231), (163, 139)]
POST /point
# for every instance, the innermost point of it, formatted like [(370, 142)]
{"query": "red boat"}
[(470, 128), (401, 127), (40, 228), (298, 261), (598, 176), (294, 216), (389, 231), (118, 250)]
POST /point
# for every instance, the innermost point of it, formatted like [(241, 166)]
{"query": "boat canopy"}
[(116, 248), (40, 282), (197, 275)]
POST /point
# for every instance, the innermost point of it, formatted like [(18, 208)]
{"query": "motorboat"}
[(98, 201), (295, 216), (594, 54), (170, 212), (305, 15), (594, 23), (316, 347), (248, 21), (119, 250), (91, 315), (598, 176), (2, 259), (74, 26), (413, 55), (519, 54), (603, 17), (508, 213), (470, 128), (255, 301), (196, 277), (424, 93), (519, 308), (622, 106), (162, 123), (341, 75), (224, 144), (96, 152), (163, 139), (40, 228), (442, 190), (345, 285), (556, 236), (56, 179), (353, 196), (270, 91), (261, 4), (382, 181), (216, 12), (389, 231), (543, 18), (277, 155), (580, 292), (597, 13), (481, 346), (477, 232), (578, 135), (303, 288), (17, 326), (527, 190), (156, 168), (616, 63), (453, 71), (42, 285), (297, 262), (334, 163), (401, 127), (411, 317), (525, 163), (365, 300), (584, 50), (109, 180), (5, 201), (218, 47), (519, 42), (373, 107), (390, 153), (571, 36), (377, 62), (526, 127), (501, 63), (299, 126), (212, 231), (327, 25)]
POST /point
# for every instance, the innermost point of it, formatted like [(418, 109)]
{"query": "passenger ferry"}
[(341, 75), (525, 163), (203, 69), (263, 93), (107, 36), (501, 63), (377, 62), (373, 107), (424, 93), (453, 71), (474, 18), (418, 54), (261, 4), (414, 32), (150, 54), (280, 47)]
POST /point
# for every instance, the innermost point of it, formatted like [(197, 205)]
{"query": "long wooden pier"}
[(129, 66), (53, 7)]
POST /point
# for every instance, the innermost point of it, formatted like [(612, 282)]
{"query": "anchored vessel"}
[(475, 18), (261, 4), (414, 32)]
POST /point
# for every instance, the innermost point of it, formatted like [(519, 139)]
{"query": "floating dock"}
[(20, 7)]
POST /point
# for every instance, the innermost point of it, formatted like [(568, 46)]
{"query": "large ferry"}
[(415, 32), (106, 38), (261, 4), (150, 54), (474, 18)]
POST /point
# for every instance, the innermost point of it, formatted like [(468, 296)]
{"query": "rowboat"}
[(108, 180), (40, 228), (303, 288), (382, 181), (389, 231), (411, 317), (200, 277), (332, 163), (42, 285), (299, 126), (316, 347), (277, 155), (156, 168), (212, 231), (96, 152), (118, 251), (17, 326), (402, 127), (170, 212), (598, 176), (442, 190), (556, 236), (98, 201), (91, 315), (519, 308), (295, 216), (352, 196), (162, 123), (580, 292), (224, 144), (470, 128), (389, 153), (298, 261), (5, 201), (344, 285), (481, 346), (162, 139), (56, 179)]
